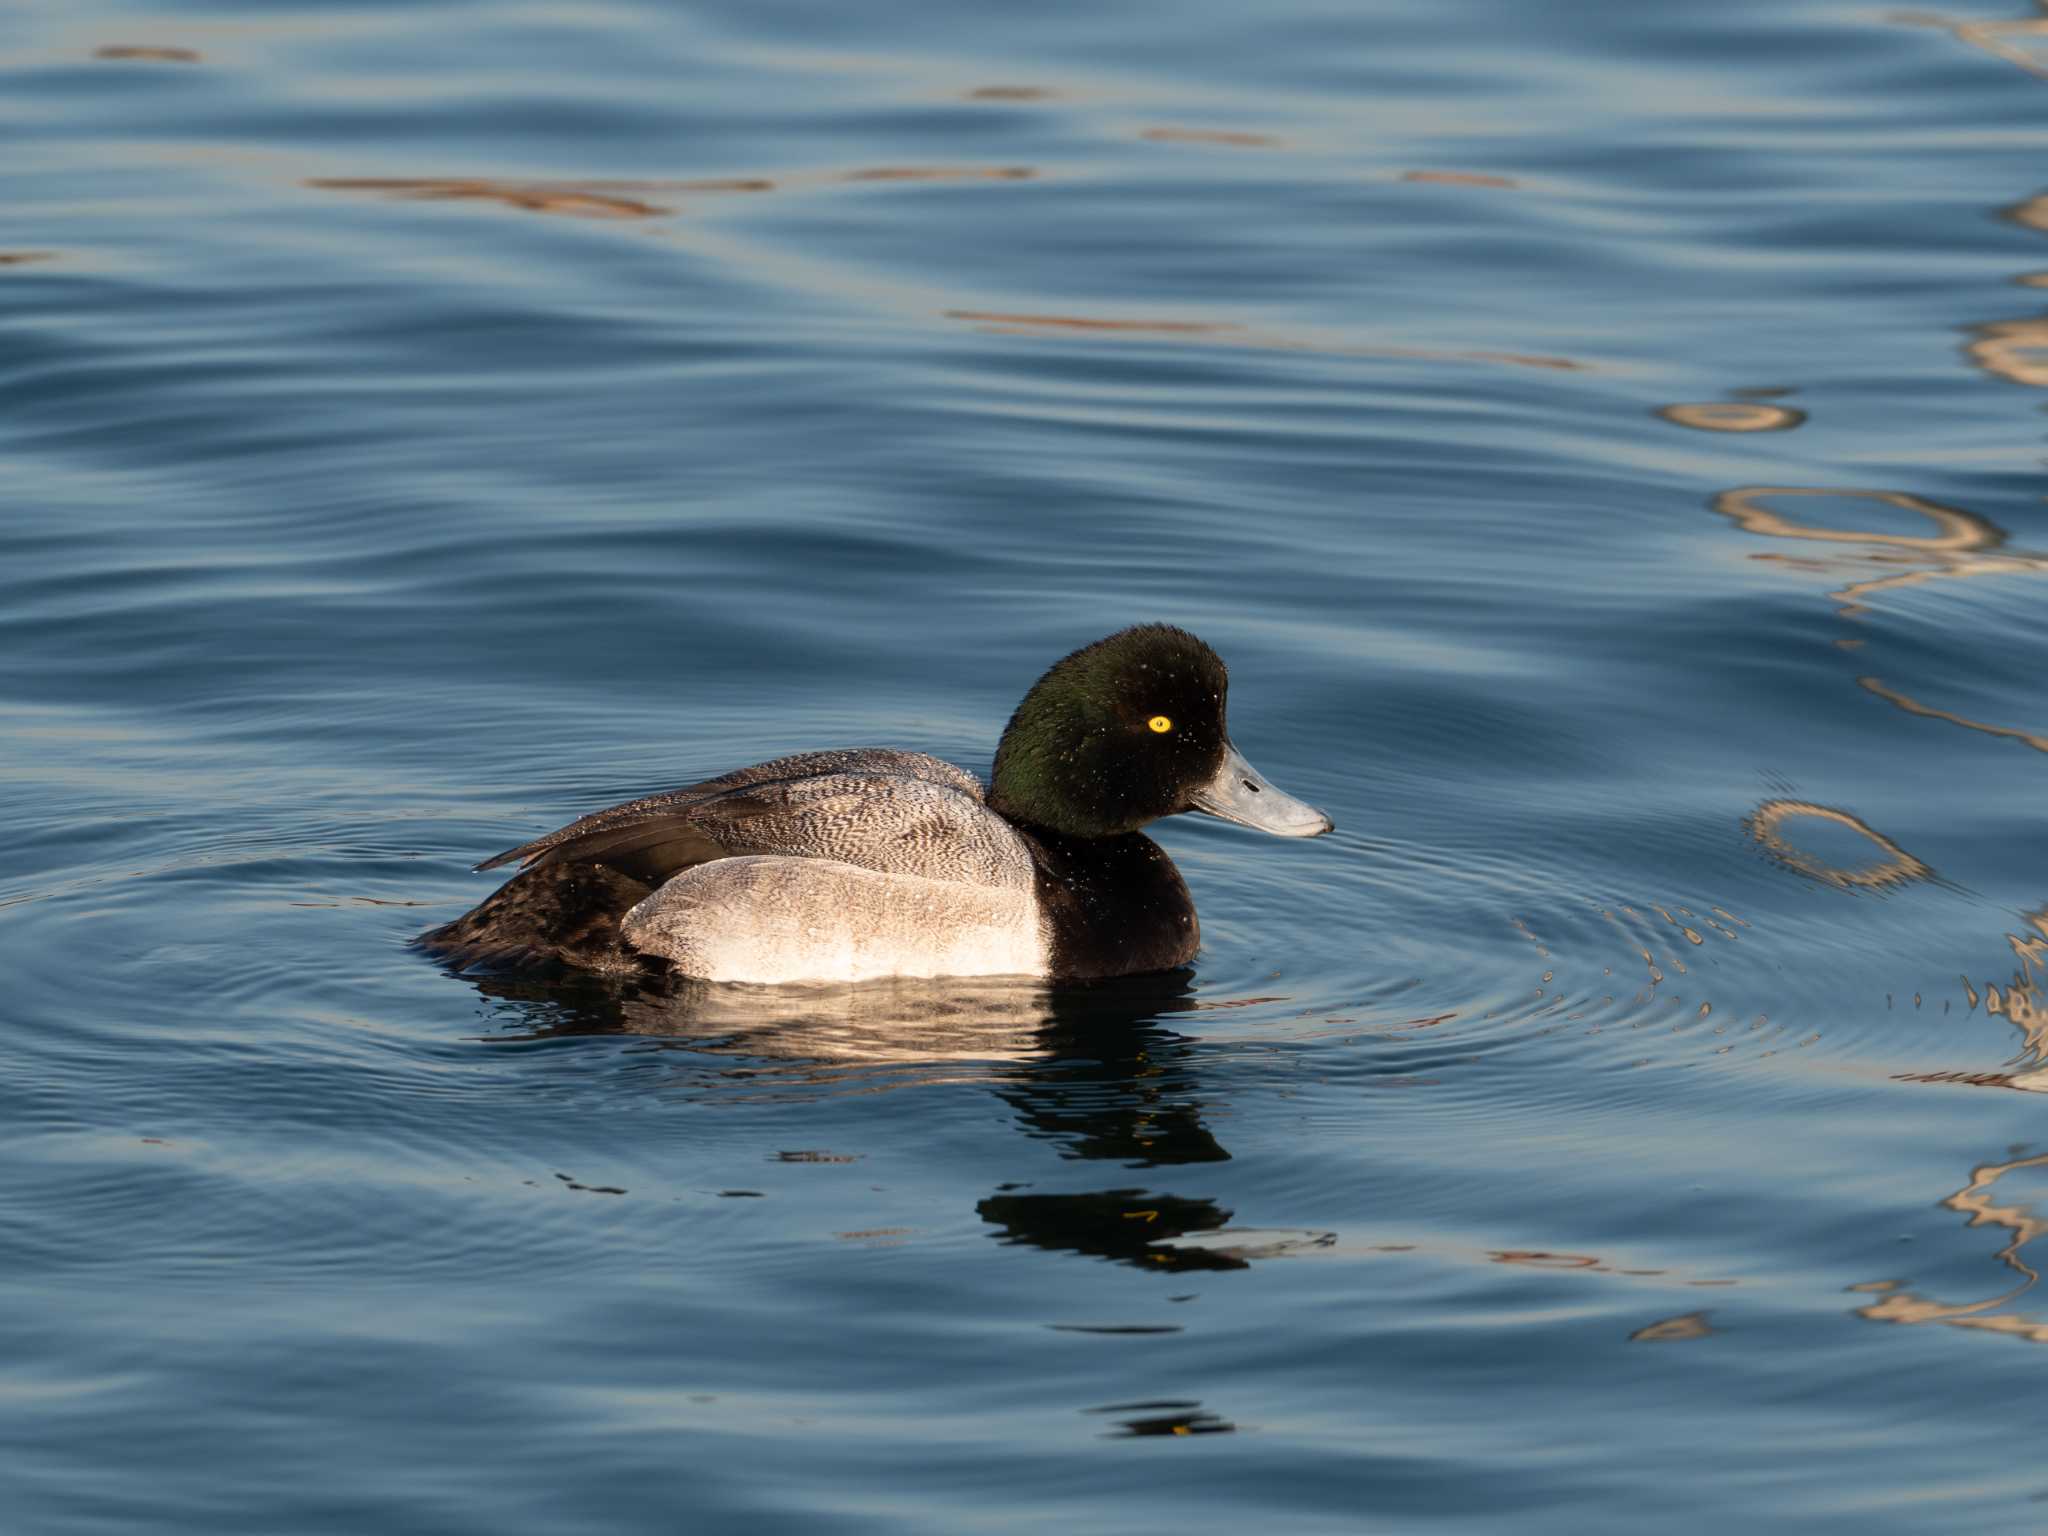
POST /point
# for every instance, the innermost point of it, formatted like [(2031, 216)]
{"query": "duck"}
[(860, 863)]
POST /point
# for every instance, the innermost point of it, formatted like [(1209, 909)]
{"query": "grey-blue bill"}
[(1242, 794)]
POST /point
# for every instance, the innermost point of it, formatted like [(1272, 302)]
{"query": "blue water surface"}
[(1606, 444)]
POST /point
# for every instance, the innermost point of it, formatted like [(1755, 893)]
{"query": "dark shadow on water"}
[(1169, 1416), (1090, 1068), (1126, 1225), (1113, 1085)]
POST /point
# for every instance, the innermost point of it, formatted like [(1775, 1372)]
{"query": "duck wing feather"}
[(894, 812)]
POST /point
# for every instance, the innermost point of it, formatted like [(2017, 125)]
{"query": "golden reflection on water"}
[(534, 197), (1894, 867), (1959, 531), (1228, 333), (1460, 178), (1670, 1330), (23, 258), (1998, 38), (143, 52), (2014, 350), (1211, 136), (941, 173), (2017, 350), (1895, 1304), (1088, 323), (1963, 544), (2023, 1006), (615, 199), (2020, 1002), (633, 200), (2037, 740), (1732, 416)]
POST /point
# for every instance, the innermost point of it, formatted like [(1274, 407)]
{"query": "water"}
[(1604, 442)]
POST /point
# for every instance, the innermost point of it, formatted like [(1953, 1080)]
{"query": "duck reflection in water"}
[(1090, 1068)]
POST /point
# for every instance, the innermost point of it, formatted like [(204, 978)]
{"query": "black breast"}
[(1114, 906)]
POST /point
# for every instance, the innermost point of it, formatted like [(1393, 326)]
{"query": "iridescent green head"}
[(1130, 729)]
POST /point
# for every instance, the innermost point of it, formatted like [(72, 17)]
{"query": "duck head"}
[(1128, 730)]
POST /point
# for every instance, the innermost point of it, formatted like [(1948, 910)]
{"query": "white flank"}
[(768, 919)]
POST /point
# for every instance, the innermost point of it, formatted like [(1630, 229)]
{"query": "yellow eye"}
[(1160, 724)]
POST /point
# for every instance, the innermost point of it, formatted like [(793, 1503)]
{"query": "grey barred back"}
[(888, 811)]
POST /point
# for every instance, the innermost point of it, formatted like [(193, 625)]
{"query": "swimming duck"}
[(856, 864)]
